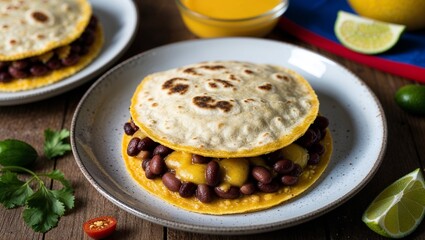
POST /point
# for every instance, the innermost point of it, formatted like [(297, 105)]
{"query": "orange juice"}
[(219, 18)]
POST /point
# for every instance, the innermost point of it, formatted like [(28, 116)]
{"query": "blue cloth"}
[(319, 17)]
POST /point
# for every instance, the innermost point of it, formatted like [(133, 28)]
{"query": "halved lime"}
[(366, 35), (400, 208)]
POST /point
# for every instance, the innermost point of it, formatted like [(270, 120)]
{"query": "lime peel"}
[(399, 209), (365, 35), (411, 98)]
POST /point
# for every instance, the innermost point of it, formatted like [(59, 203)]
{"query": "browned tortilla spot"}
[(213, 68), (225, 83), (266, 87), (175, 87), (40, 17), (191, 71), (207, 102)]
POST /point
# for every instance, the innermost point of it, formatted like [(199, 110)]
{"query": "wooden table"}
[(160, 24)]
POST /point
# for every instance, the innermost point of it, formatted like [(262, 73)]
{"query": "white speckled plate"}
[(119, 31), (356, 119)]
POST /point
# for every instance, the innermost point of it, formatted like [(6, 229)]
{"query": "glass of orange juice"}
[(225, 18)]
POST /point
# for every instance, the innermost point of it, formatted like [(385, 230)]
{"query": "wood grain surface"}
[(160, 24)]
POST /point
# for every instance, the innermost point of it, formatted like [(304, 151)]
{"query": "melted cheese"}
[(186, 171), (296, 153), (234, 171)]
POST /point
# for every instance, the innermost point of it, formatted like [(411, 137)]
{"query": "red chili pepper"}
[(100, 227)]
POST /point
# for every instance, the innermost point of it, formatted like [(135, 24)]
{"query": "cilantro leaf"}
[(65, 196), (58, 176), (13, 192), (43, 210), (54, 143)]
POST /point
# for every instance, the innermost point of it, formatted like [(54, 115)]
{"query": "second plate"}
[(119, 30)]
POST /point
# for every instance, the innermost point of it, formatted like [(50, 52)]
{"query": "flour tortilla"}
[(33, 27), (225, 108)]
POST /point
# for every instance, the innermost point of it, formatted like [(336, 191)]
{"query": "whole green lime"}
[(16, 153), (411, 98)]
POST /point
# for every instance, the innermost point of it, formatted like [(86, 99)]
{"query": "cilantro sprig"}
[(55, 144), (43, 207)]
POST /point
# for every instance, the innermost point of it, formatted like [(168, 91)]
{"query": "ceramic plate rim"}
[(227, 230), (108, 55)]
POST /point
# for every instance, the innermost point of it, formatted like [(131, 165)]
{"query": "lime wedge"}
[(366, 35), (400, 208)]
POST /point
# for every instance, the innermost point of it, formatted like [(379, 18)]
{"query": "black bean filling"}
[(279, 172), (34, 67)]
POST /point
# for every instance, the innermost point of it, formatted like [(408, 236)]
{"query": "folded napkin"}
[(313, 22)]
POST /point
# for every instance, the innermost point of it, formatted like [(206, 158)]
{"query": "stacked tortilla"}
[(243, 116), (43, 42)]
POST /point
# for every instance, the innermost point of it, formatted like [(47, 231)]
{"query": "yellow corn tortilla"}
[(249, 203), (57, 75)]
